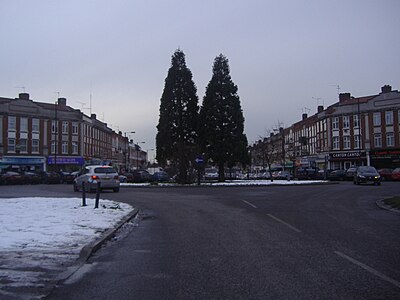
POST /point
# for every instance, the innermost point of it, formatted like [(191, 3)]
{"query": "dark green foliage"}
[(177, 127), (221, 120)]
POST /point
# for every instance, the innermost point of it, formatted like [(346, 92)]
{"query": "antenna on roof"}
[(305, 110), (318, 100), (337, 87), (21, 87)]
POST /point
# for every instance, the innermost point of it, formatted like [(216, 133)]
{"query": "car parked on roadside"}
[(161, 176), (30, 177), (337, 175), (11, 177), (350, 172), (386, 173), (90, 176), (50, 177), (67, 177), (396, 174), (142, 176), (367, 174)]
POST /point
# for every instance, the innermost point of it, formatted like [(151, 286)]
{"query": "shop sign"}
[(347, 155), (65, 160), (23, 160), (388, 154)]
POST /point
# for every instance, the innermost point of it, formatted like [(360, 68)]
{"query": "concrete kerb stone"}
[(89, 249), (381, 204)]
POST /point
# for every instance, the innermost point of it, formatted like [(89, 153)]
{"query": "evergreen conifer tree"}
[(221, 120), (177, 127)]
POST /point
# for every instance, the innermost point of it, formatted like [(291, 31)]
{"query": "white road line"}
[(248, 203), (369, 269), (284, 223)]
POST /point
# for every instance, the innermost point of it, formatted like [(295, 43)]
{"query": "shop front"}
[(385, 158), (65, 163), (345, 159), (24, 163)]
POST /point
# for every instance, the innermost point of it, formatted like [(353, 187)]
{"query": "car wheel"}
[(116, 190)]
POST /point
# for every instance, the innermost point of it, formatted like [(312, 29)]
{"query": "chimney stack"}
[(93, 116), (344, 97), (386, 89), (320, 108), (23, 96), (304, 116), (62, 101)]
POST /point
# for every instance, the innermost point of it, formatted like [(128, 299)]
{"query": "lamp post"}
[(127, 149), (137, 154)]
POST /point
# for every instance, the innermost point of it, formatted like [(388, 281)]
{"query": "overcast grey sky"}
[(285, 56)]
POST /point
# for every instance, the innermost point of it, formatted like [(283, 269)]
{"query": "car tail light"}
[(116, 177), (95, 177)]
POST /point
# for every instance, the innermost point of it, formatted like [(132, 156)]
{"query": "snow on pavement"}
[(41, 237)]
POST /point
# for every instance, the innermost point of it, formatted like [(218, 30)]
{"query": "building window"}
[(377, 119), (35, 125), (377, 140), (74, 148), (356, 121), (24, 124), (335, 143), (357, 142), (65, 127), (11, 145), (12, 121), (335, 123), (35, 146), (346, 122), (389, 117), (74, 128), (64, 147), (23, 145), (53, 147), (390, 139), (346, 142), (54, 127)]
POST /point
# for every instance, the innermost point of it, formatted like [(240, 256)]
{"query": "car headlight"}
[(377, 177)]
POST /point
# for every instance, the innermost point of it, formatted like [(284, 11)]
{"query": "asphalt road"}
[(292, 242)]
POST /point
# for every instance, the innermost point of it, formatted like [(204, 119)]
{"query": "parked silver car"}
[(91, 175)]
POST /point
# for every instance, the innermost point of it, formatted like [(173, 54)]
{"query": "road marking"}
[(369, 269), (248, 203), (284, 223)]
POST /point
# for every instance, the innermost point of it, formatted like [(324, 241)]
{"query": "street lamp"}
[(137, 154), (126, 149)]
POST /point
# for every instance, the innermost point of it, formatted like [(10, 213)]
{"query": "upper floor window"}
[(74, 148), (35, 146), (335, 123), (11, 145), (23, 124), (35, 125), (378, 140), (377, 119), (23, 145), (390, 139), (356, 121), (65, 127), (335, 143), (12, 123), (389, 117), (74, 128), (64, 147), (346, 122), (346, 142), (54, 126), (357, 142)]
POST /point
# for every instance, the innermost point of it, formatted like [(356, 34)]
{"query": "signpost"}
[(199, 166)]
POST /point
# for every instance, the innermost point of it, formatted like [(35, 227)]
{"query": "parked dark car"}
[(50, 177), (11, 177), (128, 177), (67, 177), (307, 173), (30, 177), (283, 175), (386, 173), (350, 172), (337, 175), (366, 174), (161, 176), (142, 176)]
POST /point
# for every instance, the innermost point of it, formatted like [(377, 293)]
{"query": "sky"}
[(111, 58)]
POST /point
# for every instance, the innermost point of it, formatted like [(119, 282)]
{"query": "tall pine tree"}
[(178, 122), (221, 120)]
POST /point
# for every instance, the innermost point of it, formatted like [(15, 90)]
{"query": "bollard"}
[(83, 194), (97, 195)]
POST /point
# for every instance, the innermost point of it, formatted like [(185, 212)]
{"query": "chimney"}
[(344, 97), (304, 116), (386, 89), (320, 108), (23, 96), (93, 116), (62, 101)]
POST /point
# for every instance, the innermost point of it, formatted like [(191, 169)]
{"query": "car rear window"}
[(104, 170)]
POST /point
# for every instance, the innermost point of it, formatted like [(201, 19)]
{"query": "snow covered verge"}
[(41, 237)]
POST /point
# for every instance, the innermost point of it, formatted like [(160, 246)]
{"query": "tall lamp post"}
[(137, 154), (127, 149)]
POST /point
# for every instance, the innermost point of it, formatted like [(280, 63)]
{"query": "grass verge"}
[(394, 202)]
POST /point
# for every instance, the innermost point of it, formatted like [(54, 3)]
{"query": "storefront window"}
[(378, 140)]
